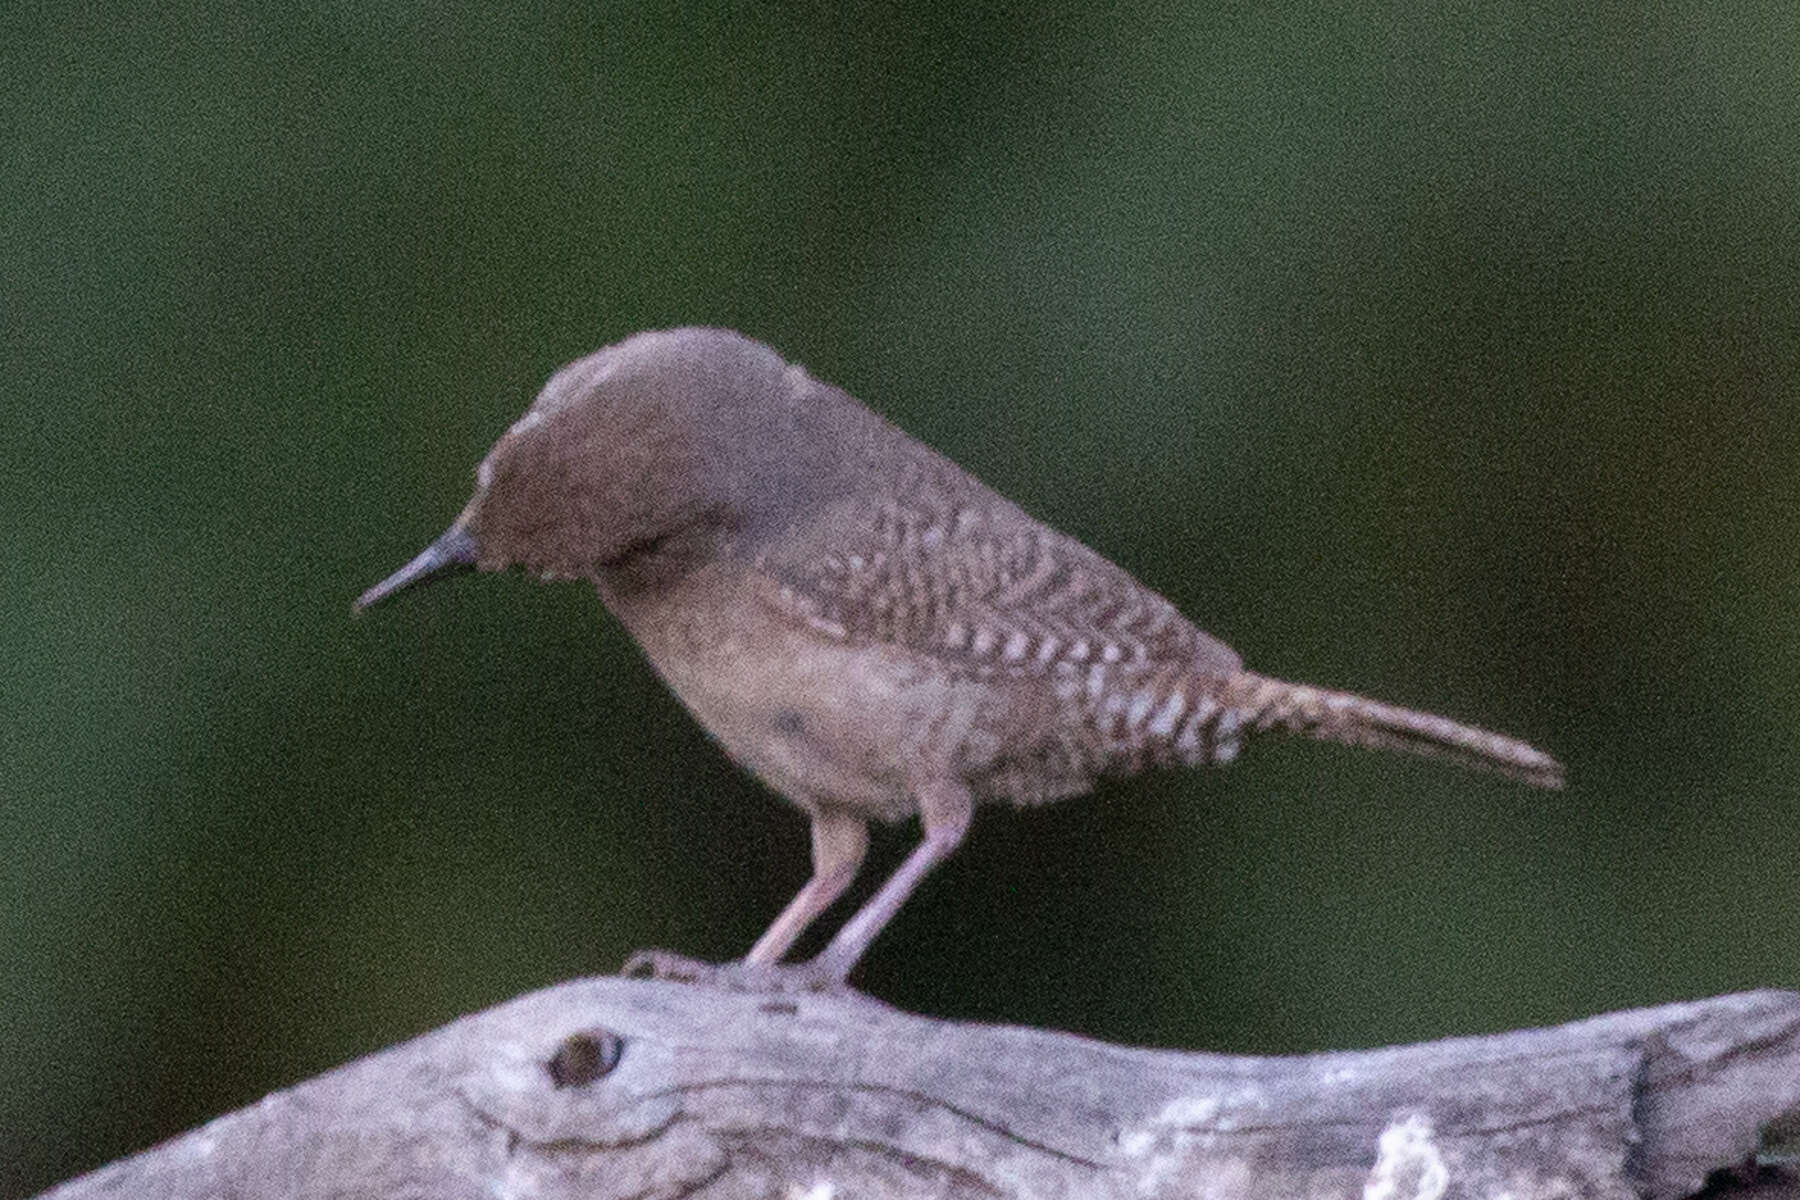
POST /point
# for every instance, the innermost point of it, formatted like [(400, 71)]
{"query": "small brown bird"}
[(860, 622)]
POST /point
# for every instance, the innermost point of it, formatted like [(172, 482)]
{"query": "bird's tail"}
[(1330, 716)]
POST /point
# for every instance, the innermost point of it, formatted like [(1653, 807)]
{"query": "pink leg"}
[(839, 841), (944, 810)]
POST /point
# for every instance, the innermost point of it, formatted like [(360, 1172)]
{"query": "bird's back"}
[(1081, 670)]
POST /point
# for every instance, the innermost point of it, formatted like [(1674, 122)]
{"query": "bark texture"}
[(622, 1088)]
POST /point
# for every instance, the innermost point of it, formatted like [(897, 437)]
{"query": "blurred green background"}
[(1450, 354)]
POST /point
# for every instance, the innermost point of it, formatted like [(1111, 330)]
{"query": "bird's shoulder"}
[(945, 567)]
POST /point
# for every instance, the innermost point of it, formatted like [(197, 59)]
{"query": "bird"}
[(861, 623)]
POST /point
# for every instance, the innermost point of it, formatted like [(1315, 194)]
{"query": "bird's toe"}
[(764, 978)]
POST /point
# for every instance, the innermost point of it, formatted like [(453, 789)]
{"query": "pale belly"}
[(824, 724)]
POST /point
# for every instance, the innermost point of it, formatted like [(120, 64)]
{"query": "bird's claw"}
[(764, 978)]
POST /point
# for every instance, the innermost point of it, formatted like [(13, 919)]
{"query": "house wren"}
[(860, 622)]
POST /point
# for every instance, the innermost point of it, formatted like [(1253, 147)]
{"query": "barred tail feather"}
[(1358, 721)]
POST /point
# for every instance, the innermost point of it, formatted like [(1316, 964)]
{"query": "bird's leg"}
[(945, 808), (839, 841)]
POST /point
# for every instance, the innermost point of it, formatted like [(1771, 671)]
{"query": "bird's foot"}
[(767, 978)]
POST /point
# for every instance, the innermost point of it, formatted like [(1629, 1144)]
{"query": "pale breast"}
[(820, 721)]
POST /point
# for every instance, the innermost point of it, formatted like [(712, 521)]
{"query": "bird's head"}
[(655, 448)]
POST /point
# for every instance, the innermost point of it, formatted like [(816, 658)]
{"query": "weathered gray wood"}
[(721, 1094)]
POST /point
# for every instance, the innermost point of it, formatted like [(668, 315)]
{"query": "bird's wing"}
[(980, 586)]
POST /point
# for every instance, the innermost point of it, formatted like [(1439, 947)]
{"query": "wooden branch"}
[(631, 1088)]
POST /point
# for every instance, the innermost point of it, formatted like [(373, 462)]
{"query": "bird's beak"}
[(451, 554)]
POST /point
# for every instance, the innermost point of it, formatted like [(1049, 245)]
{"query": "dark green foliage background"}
[(1451, 354)]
